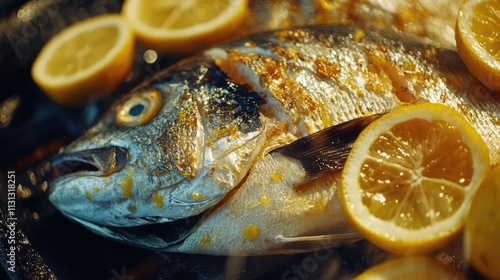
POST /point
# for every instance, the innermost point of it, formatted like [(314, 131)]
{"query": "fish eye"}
[(139, 109)]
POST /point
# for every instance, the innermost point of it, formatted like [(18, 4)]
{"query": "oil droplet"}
[(44, 186), (430, 53), (32, 178), (197, 196), (150, 56), (251, 232), (276, 177), (327, 4), (320, 205), (23, 191), (264, 200), (158, 200), (88, 196), (127, 184), (182, 116), (25, 14), (206, 239), (359, 35)]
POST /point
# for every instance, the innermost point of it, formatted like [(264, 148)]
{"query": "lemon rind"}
[(393, 269)]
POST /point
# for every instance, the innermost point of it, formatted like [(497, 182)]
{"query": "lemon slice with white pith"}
[(85, 61), (409, 178), (184, 26), (476, 32)]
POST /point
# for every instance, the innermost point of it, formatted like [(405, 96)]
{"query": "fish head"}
[(159, 158), (113, 178)]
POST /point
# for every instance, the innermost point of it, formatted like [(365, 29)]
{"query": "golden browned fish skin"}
[(431, 19), (365, 71)]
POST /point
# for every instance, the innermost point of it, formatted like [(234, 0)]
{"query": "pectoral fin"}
[(326, 151), (305, 243)]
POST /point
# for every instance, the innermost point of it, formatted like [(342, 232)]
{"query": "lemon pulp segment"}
[(421, 182), (70, 57), (181, 15), (485, 25)]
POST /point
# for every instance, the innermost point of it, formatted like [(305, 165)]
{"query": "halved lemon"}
[(409, 177), (184, 26), (410, 268), (85, 61), (482, 227), (478, 42)]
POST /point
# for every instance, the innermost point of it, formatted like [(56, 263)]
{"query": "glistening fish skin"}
[(184, 163)]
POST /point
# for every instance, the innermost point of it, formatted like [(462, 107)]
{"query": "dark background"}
[(33, 128)]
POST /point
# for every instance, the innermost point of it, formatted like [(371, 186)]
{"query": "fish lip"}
[(102, 161), (152, 236)]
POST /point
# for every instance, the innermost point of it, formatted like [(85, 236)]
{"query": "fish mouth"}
[(94, 162), (154, 236), (157, 236)]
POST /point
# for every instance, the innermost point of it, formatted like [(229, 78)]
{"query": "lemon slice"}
[(85, 61), (410, 268), (409, 177), (184, 26), (477, 29), (482, 227)]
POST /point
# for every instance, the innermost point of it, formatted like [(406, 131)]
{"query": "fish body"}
[(192, 160), (431, 19)]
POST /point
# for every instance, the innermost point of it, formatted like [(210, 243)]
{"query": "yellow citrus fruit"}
[(476, 32), (482, 227), (85, 61), (184, 26), (409, 177), (410, 268)]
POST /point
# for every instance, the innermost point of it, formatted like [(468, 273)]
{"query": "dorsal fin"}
[(326, 151)]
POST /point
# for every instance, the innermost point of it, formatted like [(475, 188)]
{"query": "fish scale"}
[(222, 148), (428, 73)]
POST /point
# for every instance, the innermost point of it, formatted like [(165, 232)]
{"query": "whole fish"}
[(229, 152)]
